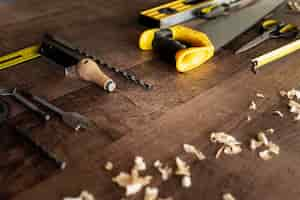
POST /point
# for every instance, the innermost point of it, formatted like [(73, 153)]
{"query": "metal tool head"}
[(77, 121), (6, 91)]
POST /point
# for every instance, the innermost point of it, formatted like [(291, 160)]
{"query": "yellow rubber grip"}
[(186, 59)]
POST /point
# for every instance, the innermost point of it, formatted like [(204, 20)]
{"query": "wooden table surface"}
[(182, 108)]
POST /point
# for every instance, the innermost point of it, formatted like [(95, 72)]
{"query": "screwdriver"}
[(216, 10)]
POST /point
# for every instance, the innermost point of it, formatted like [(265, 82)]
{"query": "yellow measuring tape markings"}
[(276, 54), (19, 56)]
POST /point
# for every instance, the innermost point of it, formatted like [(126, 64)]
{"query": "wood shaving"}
[(165, 171), (132, 182), (220, 151), (191, 149), (232, 150), (230, 145), (294, 5), (260, 95), (254, 144), (182, 168), (270, 131), (295, 108), (168, 198), (272, 151), (278, 113), (151, 193), (261, 136), (186, 182), (139, 164), (85, 195), (157, 164), (291, 94), (249, 118), (228, 196), (252, 106), (109, 166)]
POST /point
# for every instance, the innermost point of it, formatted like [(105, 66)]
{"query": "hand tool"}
[(275, 55), (179, 11), (14, 93), (222, 9), (53, 47), (62, 52), (72, 119), (171, 43), (88, 70), (4, 113), (199, 44), (20, 56), (271, 29), (25, 134)]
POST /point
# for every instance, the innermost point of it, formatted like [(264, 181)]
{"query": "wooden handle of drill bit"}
[(88, 70)]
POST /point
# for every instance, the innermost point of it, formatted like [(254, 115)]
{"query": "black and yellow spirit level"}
[(172, 13)]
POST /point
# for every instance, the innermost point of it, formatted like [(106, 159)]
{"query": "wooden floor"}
[(182, 108)]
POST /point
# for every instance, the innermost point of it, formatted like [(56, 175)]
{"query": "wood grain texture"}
[(182, 108)]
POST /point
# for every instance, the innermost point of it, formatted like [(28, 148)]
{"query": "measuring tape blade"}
[(19, 57)]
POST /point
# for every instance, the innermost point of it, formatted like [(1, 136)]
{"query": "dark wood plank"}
[(181, 108)]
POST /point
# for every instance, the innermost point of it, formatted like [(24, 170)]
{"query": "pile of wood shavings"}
[(133, 182)]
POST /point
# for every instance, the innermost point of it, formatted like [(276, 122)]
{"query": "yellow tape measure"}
[(19, 56)]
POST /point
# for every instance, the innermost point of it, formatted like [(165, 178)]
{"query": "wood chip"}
[(133, 182), (278, 113), (151, 193), (254, 144), (230, 145), (168, 198), (109, 166), (139, 163), (182, 168), (260, 95), (220, 151), (85, 195), (191, 149), (186, 181), (165, 171), (252, 106), (295, 108), (291, 94), (228, 196), (270, 131), (249, 118), (270, 153), (261, 136)]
